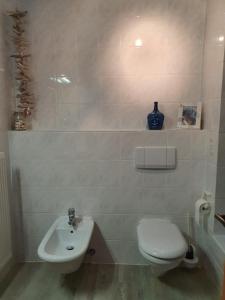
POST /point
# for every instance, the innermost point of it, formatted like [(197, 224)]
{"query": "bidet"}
[(63, 247)]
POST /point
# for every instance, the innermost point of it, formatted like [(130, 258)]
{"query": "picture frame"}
[(189, 116)]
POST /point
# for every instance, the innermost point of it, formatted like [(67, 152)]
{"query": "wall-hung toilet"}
[(64, 246), (161, 243)]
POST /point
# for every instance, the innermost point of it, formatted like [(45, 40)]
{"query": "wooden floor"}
[(108, 282)]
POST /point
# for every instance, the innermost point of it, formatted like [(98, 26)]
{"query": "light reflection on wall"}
[(62, 79), (221, 38), (138, 43), (150, 52)]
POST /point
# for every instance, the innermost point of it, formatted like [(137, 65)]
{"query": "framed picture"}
[(189, 116)]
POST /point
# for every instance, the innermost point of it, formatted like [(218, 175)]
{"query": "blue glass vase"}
[(155, 118)]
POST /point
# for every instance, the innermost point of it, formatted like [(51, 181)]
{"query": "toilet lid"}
[(161, 239)]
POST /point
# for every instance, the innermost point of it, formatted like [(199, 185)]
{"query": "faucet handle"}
[(71, 211)]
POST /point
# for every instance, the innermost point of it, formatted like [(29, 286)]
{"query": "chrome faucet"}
[(72, 218)]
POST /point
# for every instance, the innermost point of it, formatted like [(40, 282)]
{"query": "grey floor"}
[(106, 282)]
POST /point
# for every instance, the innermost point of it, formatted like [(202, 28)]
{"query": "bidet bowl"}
[(63, 246)]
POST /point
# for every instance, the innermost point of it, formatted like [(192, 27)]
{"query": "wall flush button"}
[(155, 157), (171, 157), (140, 157)]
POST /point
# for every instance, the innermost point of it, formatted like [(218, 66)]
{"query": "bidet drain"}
[(70, 247)]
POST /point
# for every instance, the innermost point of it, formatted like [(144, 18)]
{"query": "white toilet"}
[(161, 243), (64, 246)]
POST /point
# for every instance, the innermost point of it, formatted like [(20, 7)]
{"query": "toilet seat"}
[(160, 240), (156, 260)]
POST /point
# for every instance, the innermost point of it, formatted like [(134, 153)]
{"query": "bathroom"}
[(85, 150)]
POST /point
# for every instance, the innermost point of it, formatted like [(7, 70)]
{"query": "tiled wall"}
[(95, 173), (111, 82), (80, 152)]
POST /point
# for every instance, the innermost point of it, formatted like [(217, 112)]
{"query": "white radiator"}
[(5, 224)]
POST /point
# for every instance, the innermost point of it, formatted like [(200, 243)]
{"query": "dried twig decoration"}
[(24, 96)]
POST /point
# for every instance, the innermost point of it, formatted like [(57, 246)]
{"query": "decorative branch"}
[(25, 97)]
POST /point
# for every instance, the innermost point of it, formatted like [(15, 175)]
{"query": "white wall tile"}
[(68, 116), (34, 228), (109, 200), (211, 110), (181, 176), (153, 178), (51, 200), (198, 145), (68, 146), (152, 201), (130, 176), (131, 140), (182, 141), (99, 117), (117, 227), (211, 171), (170, 110), (166, 201), (198, 173), (212, 146), (99, 58)]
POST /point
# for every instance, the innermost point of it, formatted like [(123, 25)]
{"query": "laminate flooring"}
[(35, 281)]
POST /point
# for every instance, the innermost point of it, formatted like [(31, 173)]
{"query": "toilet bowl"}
[(64, 246), (161, 243)]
